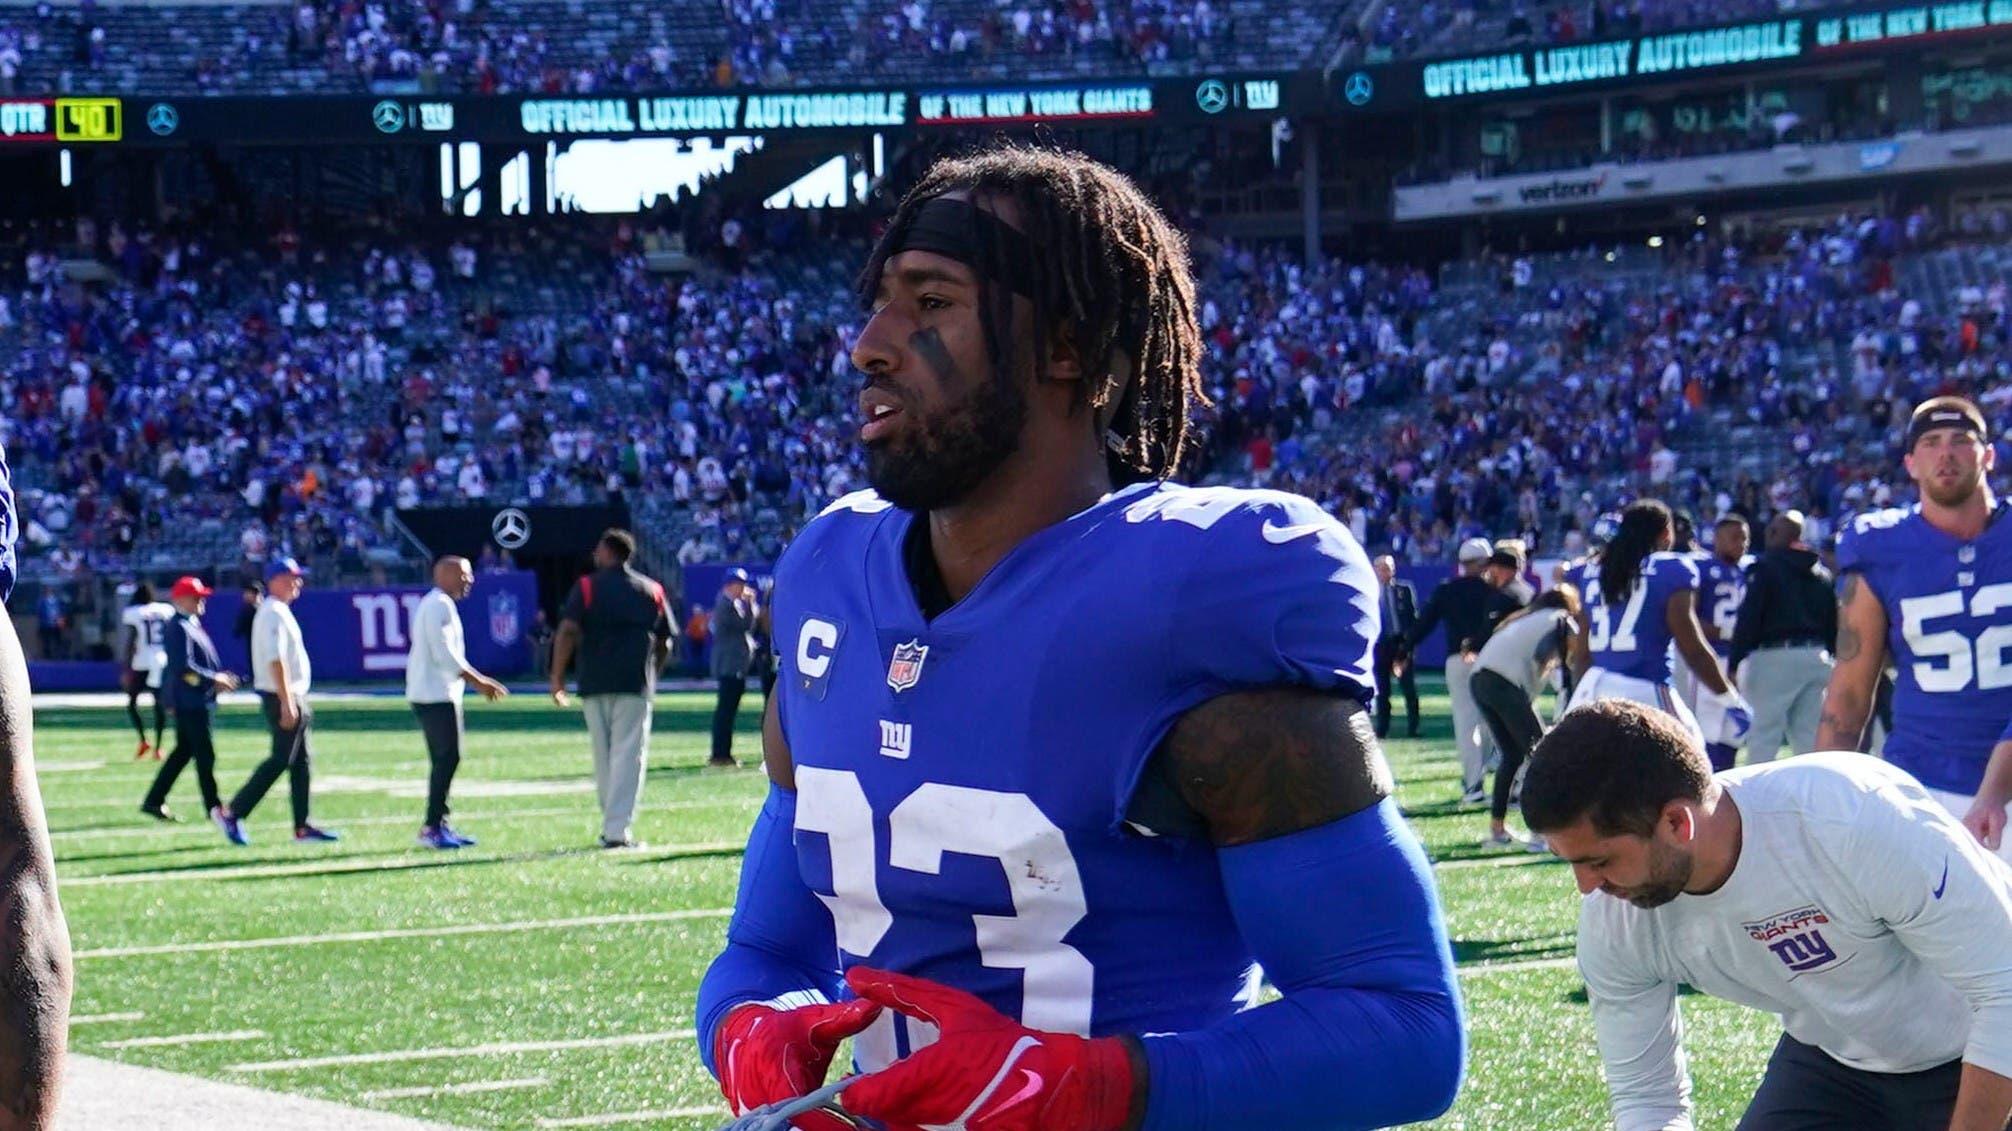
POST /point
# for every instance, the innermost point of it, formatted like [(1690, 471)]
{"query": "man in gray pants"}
[(734, 616), (1781, 642), (620, 625)]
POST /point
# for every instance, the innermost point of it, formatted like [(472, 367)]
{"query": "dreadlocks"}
[(1643, 525), (1109, 274)]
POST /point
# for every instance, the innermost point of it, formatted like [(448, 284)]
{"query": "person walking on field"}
[(282, 674), (436, 673), (620, 625), (192, 676)]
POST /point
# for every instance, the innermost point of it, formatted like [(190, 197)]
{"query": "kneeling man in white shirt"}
[(1829, 889)]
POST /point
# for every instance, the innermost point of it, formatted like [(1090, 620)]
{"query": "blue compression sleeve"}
[(780, 940), (1346, 923)]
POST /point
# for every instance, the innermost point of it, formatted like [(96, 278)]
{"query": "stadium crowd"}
[(212, 396)]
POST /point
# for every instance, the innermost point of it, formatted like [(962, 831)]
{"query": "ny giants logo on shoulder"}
[(1793, 937)]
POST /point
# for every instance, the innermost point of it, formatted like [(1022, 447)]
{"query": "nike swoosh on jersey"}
[(1279, 535), (1944, 885)]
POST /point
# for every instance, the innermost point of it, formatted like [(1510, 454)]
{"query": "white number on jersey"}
[(1041, 873), (1726, 599), (1962, 659), (1601, 634)]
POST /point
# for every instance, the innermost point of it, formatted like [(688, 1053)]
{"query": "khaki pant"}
[(620, 726), (1470, 735), (1785, 687)]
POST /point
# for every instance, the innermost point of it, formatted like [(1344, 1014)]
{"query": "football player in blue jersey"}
[(1060, 751), (1722, 585), (1931, 586), (1640, 604)]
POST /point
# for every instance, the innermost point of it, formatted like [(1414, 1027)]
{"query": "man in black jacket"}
[(1470, 604), (1400, 613), (191, 679), (1781, 642)]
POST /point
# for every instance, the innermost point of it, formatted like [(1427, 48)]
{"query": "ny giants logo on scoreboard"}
[(384, 622)]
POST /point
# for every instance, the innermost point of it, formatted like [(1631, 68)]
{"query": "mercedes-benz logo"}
[(163, 119), (1212, 96), (1359, 89), (511, 528), (388, 117)]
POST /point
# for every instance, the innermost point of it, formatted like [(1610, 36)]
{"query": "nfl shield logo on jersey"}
[(906, 667)]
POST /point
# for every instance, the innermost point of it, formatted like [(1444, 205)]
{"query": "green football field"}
[(536, 981)]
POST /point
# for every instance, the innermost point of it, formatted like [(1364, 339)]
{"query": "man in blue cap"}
[(733, 655), (281, 674)]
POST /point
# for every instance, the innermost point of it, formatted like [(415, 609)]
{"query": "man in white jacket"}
[(436, 670), (1830, 889)]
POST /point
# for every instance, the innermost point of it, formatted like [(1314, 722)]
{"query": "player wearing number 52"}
[(1931, 585), (1040, 830)]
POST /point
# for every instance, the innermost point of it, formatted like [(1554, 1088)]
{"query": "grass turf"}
[(654, 917)]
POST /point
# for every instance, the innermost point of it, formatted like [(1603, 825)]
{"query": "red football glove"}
[(988, 1072), (766, 1054)]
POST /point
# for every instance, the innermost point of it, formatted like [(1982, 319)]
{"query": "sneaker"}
[(233, 830), (619, 842), (158, 748), (141, 756), (438, 836), (722, 764), (308, 834), (1475, 796), (1515, 840), (459, 840), (161, 813)]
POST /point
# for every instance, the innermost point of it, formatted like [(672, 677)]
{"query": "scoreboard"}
[(62, 120)]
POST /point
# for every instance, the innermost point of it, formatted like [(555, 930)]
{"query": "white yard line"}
[(100, 1094), (142, 827), (1480, 968), (407, 933), (453, 1089), (636, 1116), (184, 1039), (105, 1018), (1518, 858), (497, 1048), (339, 866)]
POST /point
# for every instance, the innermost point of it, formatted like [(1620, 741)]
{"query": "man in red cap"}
[(191, 679)]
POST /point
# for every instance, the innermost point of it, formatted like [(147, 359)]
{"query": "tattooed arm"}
[(1334, 898), (34, 942), (1861, 655)]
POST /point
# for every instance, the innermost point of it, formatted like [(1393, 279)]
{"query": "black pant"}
[(1387, 652), (289, 755), (133, 709), (441, 724), (725, 710), (193, 743), (1506, 709), (1805, 1090)]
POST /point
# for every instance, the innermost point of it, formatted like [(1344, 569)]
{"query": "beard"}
[(1955, 494), (1669, 873), (946, 454)]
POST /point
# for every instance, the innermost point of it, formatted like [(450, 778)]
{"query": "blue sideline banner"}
[(364, 634)]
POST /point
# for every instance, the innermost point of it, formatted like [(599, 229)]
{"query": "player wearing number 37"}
[(1932, 586), (1029, 831)]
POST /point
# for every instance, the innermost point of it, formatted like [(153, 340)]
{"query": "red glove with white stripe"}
[(765, 1054), (988, 1072)]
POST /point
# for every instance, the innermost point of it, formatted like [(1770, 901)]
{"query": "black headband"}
[(1927, 422), (962, 231)]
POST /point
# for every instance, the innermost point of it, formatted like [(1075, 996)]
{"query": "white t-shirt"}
[(1860, 912), (149, 625), (433, 666), (275, 635)]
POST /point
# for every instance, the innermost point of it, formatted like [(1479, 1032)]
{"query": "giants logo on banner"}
[(382, 623)]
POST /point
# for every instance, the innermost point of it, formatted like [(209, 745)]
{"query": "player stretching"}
[(1020, 806), (1640, 600), (1932, 585)]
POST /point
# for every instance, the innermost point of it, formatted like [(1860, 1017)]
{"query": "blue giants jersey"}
[(962, 783), (1721, 588), (1949, 634), (1632, 636)]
